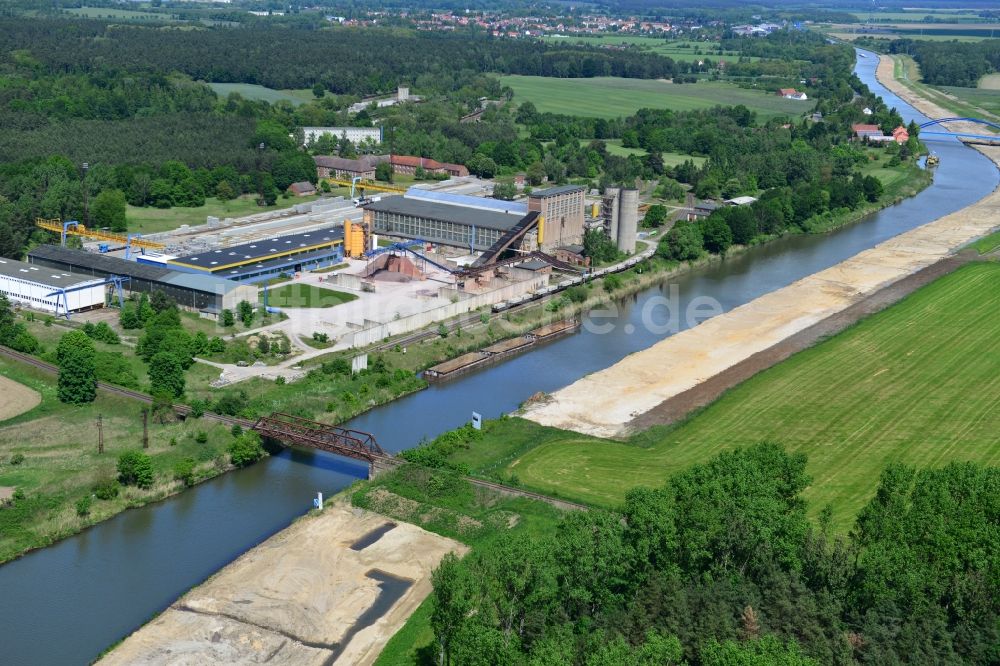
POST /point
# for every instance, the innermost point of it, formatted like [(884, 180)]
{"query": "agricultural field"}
[(987, 99), (119, 14), (917, 16), (679, 50), (150, 220), (990, 82), (918, 383), (258, 93), (299, 295), (988, 244), (612, 97)]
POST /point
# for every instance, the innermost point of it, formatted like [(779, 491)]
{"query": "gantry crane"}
[(360, 183), (74, 228)]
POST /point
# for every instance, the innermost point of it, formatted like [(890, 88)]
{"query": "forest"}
[(721, 566), (357, 61)]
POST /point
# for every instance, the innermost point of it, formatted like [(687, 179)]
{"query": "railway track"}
[(508, 490), (184, 410), (181, 410)]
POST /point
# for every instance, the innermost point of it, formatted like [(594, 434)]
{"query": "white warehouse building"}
[(49, 289), (355, 135)]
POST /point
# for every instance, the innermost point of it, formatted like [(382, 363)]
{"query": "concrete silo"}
[(628, 219), (611, 211)]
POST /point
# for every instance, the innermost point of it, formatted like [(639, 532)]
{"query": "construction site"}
[(410, 257)]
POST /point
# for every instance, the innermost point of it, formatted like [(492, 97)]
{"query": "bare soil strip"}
[(16, 398), (298, 597), (607, 402)]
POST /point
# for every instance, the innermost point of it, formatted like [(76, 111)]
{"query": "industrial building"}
[(55, 291), (621, 216), (408, 164), (265, 258), (328, 166), (561, 209), (477, 224), (197, 292), (355, 135)]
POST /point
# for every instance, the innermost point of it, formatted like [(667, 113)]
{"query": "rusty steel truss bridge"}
[(298, 431)]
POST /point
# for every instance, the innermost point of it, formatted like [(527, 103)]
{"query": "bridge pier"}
[(381, 465)]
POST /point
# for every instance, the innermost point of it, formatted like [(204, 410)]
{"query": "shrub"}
[(320, 337), (106, 489), (577, 294), (135, 468), (17, 459), (83, 506), (201, 437), (184, 471), (237, 430), (279, 380), (246, 449)]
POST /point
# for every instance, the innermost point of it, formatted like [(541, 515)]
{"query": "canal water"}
[(66, 603)]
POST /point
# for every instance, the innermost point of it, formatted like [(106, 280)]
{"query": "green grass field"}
[(611, 97), (615, 147), (151, 220), (982, 98), (679, 50), (988, 244), (299, 295), (119, 14), (263, 94), (918, 383)]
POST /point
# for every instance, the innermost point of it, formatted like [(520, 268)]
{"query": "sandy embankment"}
[(605, 402), (885, 72), (296, 597), (17, 398)]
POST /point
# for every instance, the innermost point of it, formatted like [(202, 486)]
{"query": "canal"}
[(66, 603)]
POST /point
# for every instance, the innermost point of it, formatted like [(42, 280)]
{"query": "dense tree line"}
[(722, 566)]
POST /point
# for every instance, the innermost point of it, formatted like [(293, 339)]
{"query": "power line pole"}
[(100, 434), (145, 428)]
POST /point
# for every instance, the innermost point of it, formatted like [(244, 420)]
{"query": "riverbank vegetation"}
[(720, 564), (910, 384), (62, 483)]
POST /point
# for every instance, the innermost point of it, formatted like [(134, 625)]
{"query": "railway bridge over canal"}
[(354, 444)]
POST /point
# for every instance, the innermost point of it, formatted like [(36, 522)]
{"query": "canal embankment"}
[(330, 589), (606, 402)]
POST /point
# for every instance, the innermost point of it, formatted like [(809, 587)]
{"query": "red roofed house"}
[(785, 92), (302, 189), (900, 134), (408, 164), (862, 131)]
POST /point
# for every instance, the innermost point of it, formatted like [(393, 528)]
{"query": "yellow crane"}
[(366, 185), (74, 228)]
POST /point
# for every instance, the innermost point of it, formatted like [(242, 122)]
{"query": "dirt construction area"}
[(605, 403), (16, 398), (330, 589)]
